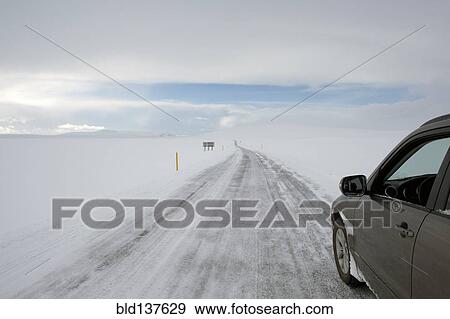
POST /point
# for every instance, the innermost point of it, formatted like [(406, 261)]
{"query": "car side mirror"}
[(355, 185)]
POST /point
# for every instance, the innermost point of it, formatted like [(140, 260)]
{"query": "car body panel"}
[(431, 270), (380, 245)]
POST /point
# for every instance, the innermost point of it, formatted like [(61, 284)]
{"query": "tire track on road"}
[(212, 263)]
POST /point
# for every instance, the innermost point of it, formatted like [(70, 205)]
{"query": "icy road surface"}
[(214, 263)]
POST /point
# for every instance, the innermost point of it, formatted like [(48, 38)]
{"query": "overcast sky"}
[(220, 64)]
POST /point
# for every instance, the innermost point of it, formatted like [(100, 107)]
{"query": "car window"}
[(413, 179), (427, 160)]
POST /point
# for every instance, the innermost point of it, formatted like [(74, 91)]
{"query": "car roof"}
[(437, 122), (440, 122)]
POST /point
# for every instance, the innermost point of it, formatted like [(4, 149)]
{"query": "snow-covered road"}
[(210, 263)]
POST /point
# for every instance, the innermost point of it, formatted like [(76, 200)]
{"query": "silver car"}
[(392, 230)]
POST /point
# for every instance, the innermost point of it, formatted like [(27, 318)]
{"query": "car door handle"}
[(404, 230)]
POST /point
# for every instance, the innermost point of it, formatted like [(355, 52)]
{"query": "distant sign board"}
[(208, 146)]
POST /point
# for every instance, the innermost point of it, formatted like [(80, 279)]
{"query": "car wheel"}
[(342, 253)]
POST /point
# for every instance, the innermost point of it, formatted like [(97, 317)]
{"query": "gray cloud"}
[(269, 42), (228, 41)]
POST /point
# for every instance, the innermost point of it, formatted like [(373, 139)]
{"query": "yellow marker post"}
[(177, 161)]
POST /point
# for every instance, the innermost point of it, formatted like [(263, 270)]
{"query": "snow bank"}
[(34, 170)]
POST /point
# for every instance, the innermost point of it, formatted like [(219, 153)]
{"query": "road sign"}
[(207, 146)]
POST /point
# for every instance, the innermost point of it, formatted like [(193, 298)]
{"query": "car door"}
[(431, 259), (390, 221)]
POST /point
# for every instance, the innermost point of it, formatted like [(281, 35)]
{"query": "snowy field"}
[(34, 170)]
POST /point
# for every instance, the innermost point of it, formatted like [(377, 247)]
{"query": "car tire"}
[(342, 254)]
